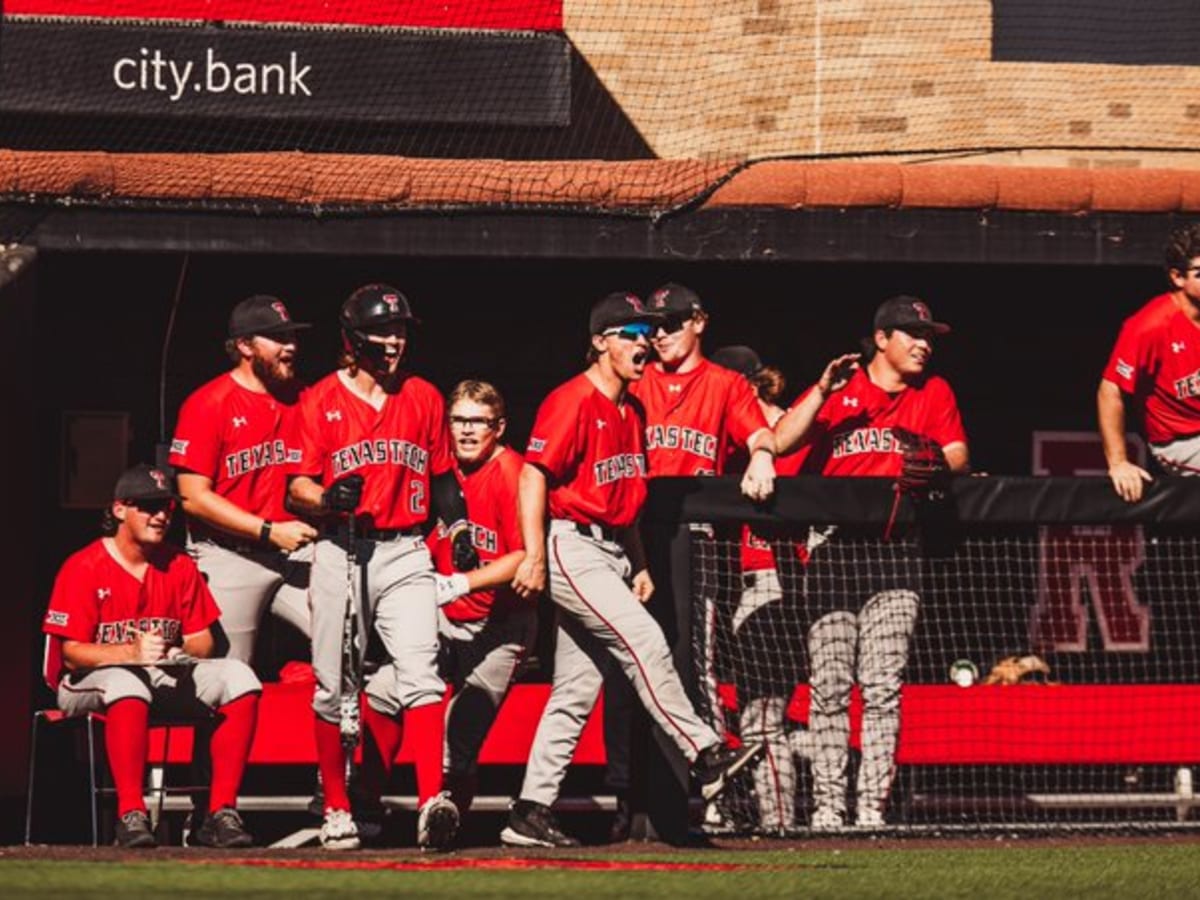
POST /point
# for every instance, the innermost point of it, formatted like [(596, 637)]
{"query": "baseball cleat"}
[(338, 831), (133, 830), (622, 823), (534, 825), (437, 823), (716, 765), (223, 829)]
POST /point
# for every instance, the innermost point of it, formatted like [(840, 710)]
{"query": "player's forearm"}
[(83, 655), (497, 572), (631, 539), (531, 512), (203, 503), (958, 458), (1110, 416), (762, 440), (792, 430), (305, 495), (199, 645)]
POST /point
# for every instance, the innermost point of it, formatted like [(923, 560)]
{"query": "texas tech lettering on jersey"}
[(678, 437), (124, 631), (623, 465), (378, 452), (865, 440), (1188, 386), (250, 459)]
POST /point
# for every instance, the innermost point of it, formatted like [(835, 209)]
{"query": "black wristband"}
[(264, 533)]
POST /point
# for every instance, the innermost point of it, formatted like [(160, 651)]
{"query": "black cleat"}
[(716, 765), (133, 830), (622, 823), (223, 829), (533, 825)]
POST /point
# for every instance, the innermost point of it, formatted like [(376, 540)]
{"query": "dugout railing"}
[(1106, 594)]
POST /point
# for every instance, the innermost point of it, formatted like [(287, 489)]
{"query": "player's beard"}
[(273, 373)]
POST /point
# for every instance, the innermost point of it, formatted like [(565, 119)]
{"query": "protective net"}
[(965, 672), (1073, 82)]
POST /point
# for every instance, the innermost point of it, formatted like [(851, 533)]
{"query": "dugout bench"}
[(70, 753)]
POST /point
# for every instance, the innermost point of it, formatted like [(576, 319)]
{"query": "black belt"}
[(363, 532), (606, 532)]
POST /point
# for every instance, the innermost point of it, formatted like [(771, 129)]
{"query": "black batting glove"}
[(464, 554), (343, 495)]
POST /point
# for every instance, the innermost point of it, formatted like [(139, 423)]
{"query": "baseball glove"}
[(1015, 669), (923, 468)]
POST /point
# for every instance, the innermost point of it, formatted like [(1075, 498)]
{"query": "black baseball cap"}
[(908, 314), (620, 308), (672, 299), (739, 358), (145, 482), (262, 314)]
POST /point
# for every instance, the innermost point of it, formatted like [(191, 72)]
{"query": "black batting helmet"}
[(373, 305)]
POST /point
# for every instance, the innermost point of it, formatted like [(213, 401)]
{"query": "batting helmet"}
[(373, 305)]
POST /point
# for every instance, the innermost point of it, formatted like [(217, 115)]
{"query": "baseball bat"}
[(349, 722)]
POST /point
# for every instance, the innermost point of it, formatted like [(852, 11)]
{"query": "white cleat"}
[(437, 823), (338, 831)]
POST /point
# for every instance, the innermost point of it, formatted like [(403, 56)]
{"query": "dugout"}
[(565, 150), (1035, 298)]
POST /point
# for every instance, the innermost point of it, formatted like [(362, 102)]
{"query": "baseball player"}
[(234, 440), (697, 413), (374, 448), (1156, 366), (128, 632), (485, 627), (586, 467), (864, 594), (766, 666)]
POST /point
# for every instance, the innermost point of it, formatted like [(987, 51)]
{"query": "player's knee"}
[(234, 679)]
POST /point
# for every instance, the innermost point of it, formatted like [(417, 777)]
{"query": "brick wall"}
[(767, 77)]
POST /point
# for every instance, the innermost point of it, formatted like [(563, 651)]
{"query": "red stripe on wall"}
[(517, 15)]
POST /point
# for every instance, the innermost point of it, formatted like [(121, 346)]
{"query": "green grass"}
[(1058, 872)]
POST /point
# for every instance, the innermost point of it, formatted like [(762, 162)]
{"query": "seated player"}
[(129, 633)]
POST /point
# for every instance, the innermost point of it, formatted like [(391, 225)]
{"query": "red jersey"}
[(694, 419), (243, 441), (756, 552), (852, 434), (491, 495), (1156, 360), (397, 448), (593, 454), (96, 601)]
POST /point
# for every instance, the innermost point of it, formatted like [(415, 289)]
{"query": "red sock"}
[(383, 734), (230, 748), (428, 728), (331, 759), (127, 742)]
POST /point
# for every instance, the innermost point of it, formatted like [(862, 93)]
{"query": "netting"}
[(1083, 84), (972, 671)]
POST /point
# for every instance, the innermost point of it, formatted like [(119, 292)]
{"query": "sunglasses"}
[(630, 332), (674, 322), (152, 507), (472, 422)]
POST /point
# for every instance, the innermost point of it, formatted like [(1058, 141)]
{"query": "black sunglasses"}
[(674, 322), (153, 507)]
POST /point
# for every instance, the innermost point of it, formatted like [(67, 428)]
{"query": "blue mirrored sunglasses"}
[(631, 331)]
